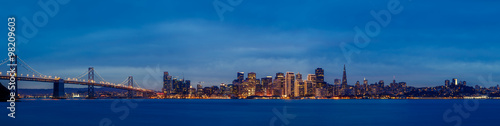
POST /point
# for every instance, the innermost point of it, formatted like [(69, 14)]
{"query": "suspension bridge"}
[(59, 82)]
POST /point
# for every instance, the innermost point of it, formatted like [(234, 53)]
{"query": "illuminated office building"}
[(454, 81), (290, 84), (311, 78), (279, 84), (299, 87), (267, 84), (320, 78), (240, 76), (167, 83), (344, 81)]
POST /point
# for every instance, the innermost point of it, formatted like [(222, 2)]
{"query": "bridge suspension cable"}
[(82, 75), (29, 68), (100, 77), (124, 81), (4, 61), (137, 84)]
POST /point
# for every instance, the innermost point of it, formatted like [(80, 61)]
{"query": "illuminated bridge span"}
[(127, 84)]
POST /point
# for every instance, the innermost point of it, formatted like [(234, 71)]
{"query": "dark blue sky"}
[(426, 43)]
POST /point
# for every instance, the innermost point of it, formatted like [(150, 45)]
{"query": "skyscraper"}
[(240, 76), (199, 90), (167, 83), (299, 85), (298, 76), (365, 86), (357, 88), (250, 84), (222, 87), (290, 84), (311, 77), (344, 79), (177, 86), (186, 86), (279, 84), (300, 88), (252, 75), (238, 84), (320, 78), (447, 83), (309, 88), (336, 82), (344, 87), (381, 83), (267, 85), (311, 84), (337, 90)]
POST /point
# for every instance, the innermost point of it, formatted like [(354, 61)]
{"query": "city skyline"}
[(292, 86), (250, 62), (197, 44), (342, 80)]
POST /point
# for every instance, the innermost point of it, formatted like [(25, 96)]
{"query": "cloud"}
[(419, 46)]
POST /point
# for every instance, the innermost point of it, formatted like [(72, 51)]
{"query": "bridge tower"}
[(91, 80), (131, 84)]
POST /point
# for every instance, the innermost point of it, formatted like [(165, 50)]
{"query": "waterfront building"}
[(167, 83), (299, 86), (279, 84), (290, 84), (344, 83), (320, 78), (267, 84)]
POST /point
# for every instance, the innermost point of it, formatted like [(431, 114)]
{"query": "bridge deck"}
[(78, 82)]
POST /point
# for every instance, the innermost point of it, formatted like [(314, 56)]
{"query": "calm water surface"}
[(175, 112)]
